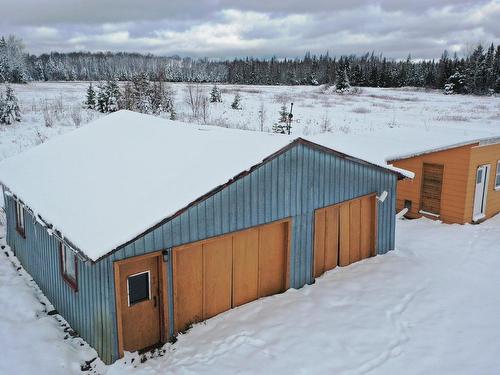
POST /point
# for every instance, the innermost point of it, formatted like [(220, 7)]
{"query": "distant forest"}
[(477, 73)]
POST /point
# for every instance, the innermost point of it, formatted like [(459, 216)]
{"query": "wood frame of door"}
[(163, 295), (375, 226)]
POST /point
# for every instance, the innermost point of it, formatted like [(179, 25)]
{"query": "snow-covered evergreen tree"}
[(108, 96), (3, 60), (173, 114), (9, 107), (278, 128), (456, 84), (342, 84), (141, 93), (127, 97), (215, 95), (12, 60), (90, 99), (281, 127), (160, 97), (236, 104)]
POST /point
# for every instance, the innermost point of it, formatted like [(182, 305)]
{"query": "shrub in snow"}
[(48, 114), (236, 104), (108, 97), (278, 128), (90, 100), (9, 107), (76, 115), (215, 95), (456, 84), (173, 114), (325, 124)]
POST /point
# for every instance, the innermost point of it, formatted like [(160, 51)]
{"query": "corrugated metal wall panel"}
[(88, 311), (293, 184)]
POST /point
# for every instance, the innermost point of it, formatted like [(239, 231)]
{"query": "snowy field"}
[(431, 306), (316, 110)]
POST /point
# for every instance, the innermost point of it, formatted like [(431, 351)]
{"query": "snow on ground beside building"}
[(431, 306), (31, 341)]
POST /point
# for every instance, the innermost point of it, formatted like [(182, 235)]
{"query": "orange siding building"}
[(460, 184)]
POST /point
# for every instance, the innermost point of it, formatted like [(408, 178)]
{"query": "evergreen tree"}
[(496, 70), (476, 71), (3, 60), (283, 114), (141, 93), (12, 60), (236, 104), (489, 65), (342, 84), (173, 114), (281, 126), (127, 97), (160, 98), (456, 84), (90, 101), (215, 95), (108, 96), (9, 107)]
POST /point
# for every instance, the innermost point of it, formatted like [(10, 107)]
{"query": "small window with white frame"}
[(20, 219), (497, 177), (69, 266)]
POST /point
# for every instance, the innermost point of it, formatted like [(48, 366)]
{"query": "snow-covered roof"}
[(393, 144), (107, 182)]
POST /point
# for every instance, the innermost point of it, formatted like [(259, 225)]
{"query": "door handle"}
[(154, 301)]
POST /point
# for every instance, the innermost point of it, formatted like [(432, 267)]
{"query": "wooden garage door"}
[(215, 275), (344, 233), (432, 185)]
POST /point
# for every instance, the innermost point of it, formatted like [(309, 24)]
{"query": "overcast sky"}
[(224, 28)]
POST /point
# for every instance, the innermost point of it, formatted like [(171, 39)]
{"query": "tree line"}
[(476, 73)]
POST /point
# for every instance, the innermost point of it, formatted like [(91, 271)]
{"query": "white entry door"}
[(482, 176)]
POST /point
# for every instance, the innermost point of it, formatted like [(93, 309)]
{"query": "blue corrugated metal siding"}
[(293, 184), (88, 310)]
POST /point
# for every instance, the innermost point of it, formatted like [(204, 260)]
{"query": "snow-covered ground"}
[(315, 110), (430, 307)]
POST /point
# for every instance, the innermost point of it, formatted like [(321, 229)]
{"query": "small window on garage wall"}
[(20, 219), (69, 267), (497, 176)]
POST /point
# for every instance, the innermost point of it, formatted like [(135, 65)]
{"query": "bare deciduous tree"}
[(262, 116), (194, 98)]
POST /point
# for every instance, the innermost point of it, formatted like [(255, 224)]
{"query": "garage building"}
[(136, 227)]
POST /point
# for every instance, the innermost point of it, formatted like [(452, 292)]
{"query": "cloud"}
[(223, 28)]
